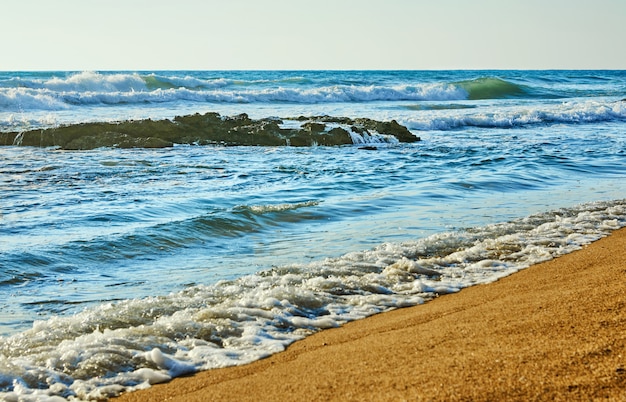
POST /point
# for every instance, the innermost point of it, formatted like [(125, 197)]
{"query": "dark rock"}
[(392, 127), (205, 129), (359, 130), (314, 127), (116, 140)]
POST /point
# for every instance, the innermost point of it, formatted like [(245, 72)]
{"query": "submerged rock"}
[(206, 129)]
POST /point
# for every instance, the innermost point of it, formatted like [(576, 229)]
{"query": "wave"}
[(156, 81), (87, 82), (565, 113), (491, 88), (128, 82), (25, 262), (45, 99), (95, 82), (442, 106), (276, 208), (93, 88), (24, 99), (116, 347)]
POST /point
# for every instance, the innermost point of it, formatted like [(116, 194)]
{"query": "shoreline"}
[(553, 331)]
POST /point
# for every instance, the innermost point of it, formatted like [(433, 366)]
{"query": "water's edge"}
[(129, 345)]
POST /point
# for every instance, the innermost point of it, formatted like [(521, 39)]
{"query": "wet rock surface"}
[(212, 129)]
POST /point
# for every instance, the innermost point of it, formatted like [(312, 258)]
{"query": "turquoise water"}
[(125, 267)]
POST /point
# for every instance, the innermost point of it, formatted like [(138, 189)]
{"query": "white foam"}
[(89, 88), (24, 99), (508, 117), (262, 209), (358, 138), (96, 82), (371, 138), (135, 343)]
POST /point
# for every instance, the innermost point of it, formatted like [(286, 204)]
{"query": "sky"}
[(99, 35)]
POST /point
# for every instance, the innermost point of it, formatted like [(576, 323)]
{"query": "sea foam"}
[(574, 112), (132, 344)]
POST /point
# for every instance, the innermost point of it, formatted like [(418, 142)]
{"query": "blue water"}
[(123, 267)]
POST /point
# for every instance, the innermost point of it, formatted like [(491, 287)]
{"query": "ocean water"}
[(121, 268)]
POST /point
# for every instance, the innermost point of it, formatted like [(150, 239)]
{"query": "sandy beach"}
[(554, 331)]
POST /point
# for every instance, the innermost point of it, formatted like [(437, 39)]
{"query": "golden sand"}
[(554, 331)]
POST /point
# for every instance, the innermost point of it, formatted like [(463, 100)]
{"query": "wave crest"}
[(491, 88), (566, 113), (101, 88), (133, 343)]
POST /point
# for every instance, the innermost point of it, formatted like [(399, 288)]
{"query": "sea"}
[(125, 267)]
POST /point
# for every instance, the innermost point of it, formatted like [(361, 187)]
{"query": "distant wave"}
[(24, 99), (491, 88), (565, 113), (95, 82), (44, 99), (159, 81), (92, 88), (155, 81)]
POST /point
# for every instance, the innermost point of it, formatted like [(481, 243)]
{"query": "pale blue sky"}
[(315, 34)]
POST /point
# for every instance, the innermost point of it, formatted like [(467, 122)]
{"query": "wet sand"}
[(554, 331)]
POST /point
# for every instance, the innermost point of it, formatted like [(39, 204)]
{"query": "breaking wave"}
[(93, 88), (491, 88), (131, 344), (563, 113)]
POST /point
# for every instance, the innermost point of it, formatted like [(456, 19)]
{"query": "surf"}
[(126, 345), (491, 88), (570, 113)]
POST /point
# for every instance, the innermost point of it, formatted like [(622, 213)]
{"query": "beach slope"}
[(554, 331)]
